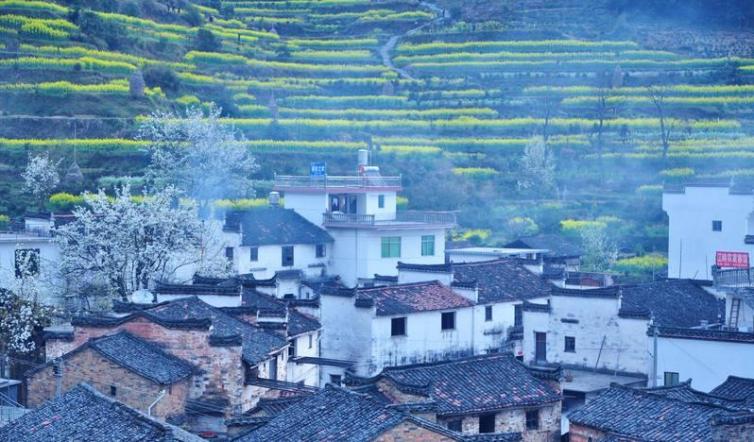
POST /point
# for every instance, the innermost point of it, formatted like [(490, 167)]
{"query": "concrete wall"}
[(309, 205), (707, 363), (691, 242)]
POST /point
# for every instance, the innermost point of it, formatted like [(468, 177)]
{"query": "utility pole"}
[(654, 354)]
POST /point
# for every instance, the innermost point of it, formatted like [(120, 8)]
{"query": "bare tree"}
[(658, 96), (549, 104), (606, 107)]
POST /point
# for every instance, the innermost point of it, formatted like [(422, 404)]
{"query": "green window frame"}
[(391, 246), (428, 245)]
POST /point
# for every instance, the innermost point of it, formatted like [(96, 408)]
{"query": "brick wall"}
[(733, 433), (408, 431), (389, 389), (131, 389), (579, 433), (514, 420)]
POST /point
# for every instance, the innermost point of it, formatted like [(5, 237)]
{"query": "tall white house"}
[(360, 213), (704, 220)]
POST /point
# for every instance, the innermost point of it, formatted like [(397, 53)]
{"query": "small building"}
[(336, 414), (660, 415), (135, 372), (491, 394), (377, 327), (561, 252), (706, 218), (85, 414)]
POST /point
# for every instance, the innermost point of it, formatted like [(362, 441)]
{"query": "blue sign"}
[(318, 169)]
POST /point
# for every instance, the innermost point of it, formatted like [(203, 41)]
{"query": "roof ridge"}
[(462, 360), (645, 393), (405, 284)]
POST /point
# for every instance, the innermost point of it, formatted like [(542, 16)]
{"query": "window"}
[(391, 246), (488, 313), (273, 368), (250, 374), (532, 420), (570, 344), (335, 379), (449, 320), (311, 341), (717, 226), (455, 425), (518, 315), (287, 256), (254, 254), (671, 378), (428, 245), (398, 326), (320, 251), (113, 390), (381, 201), (292, 349), (487, 423), (540, 349), (229, 253), (26, 262)]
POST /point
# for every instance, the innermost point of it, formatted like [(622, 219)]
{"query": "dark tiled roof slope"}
[(673, 302), (262, 301), (559, 246), (476, 384), (684, 392), (736, 388), (646, 416), (502, 280), (337, 415), (83, 414), (412, 298), (257, 343), (275, 225), (142, 357), (299, 323)]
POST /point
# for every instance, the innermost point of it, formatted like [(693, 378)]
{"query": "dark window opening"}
[(487, 423), (229, 253), (518, 315), (540, 349), (671, 378), (448, 321), (113, 390), (250, 374), (321, 251), (274, 368), (311, 341), (287, 256), (532, 420), (455, 425), (381, 201), (335, 379), (27, 262), (717, 226), (570, 344), (488, 313), (398, 326), (292, 349), (254, 254)]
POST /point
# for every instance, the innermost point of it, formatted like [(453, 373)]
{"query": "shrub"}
[(64, 202), (162, 77), (4, 221), (206, 41)]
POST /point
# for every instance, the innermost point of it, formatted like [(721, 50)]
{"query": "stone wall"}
[(130, 388), (579, 433), (514, 421), (408, 431)]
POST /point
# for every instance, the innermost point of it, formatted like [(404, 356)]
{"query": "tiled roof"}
[(273, 407), (83, 414), (411, 298), (336, 414), (646, 416), (299, 323), (142, 357), (684, 392), (262, 302), (502, 280), (559, 246), (476, 384), (275, 225), (736, 388), (673, 302), (705, 334)]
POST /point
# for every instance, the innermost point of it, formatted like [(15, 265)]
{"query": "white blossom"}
[(537, 168), (41, 176)]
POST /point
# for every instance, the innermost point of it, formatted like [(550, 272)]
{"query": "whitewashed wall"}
[(309, 205), (306, 373), (49, 257), (346, 330), (691, 242), (213, 300), (270, 260)]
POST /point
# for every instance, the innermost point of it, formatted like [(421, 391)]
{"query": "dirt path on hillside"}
[(386, 50)]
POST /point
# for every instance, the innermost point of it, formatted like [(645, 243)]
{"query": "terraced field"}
[(305, 80)]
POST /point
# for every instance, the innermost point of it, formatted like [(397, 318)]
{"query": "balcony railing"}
[(733, 277), (335, 219), (284, 182)]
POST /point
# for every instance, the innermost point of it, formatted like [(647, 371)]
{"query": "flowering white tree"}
[(537, 168), (600, 252), (125, 242), (41, 176), (198, 154)]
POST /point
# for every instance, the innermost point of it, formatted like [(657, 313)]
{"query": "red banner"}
[(737, 260)]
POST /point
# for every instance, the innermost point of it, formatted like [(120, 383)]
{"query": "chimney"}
[(273, 199), (363, 158)]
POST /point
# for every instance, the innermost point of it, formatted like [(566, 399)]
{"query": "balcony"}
[(336, 183), (733, 278), (403, 219)]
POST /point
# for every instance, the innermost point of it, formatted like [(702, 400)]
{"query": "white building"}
[(704, 220), (360, 213), (393, 325)]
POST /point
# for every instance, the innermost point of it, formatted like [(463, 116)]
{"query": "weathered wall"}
[(408, 431)]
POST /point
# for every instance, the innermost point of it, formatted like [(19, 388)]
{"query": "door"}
[(274, 368), (540, 351)]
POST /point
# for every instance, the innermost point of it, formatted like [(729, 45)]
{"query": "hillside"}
[(447, 95)]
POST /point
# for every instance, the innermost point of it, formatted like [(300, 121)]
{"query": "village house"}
[(360, 213), (664, 414), (85, 414), (240, 361), (489, 394), (600, 336), (562, 253), (376, 327)]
